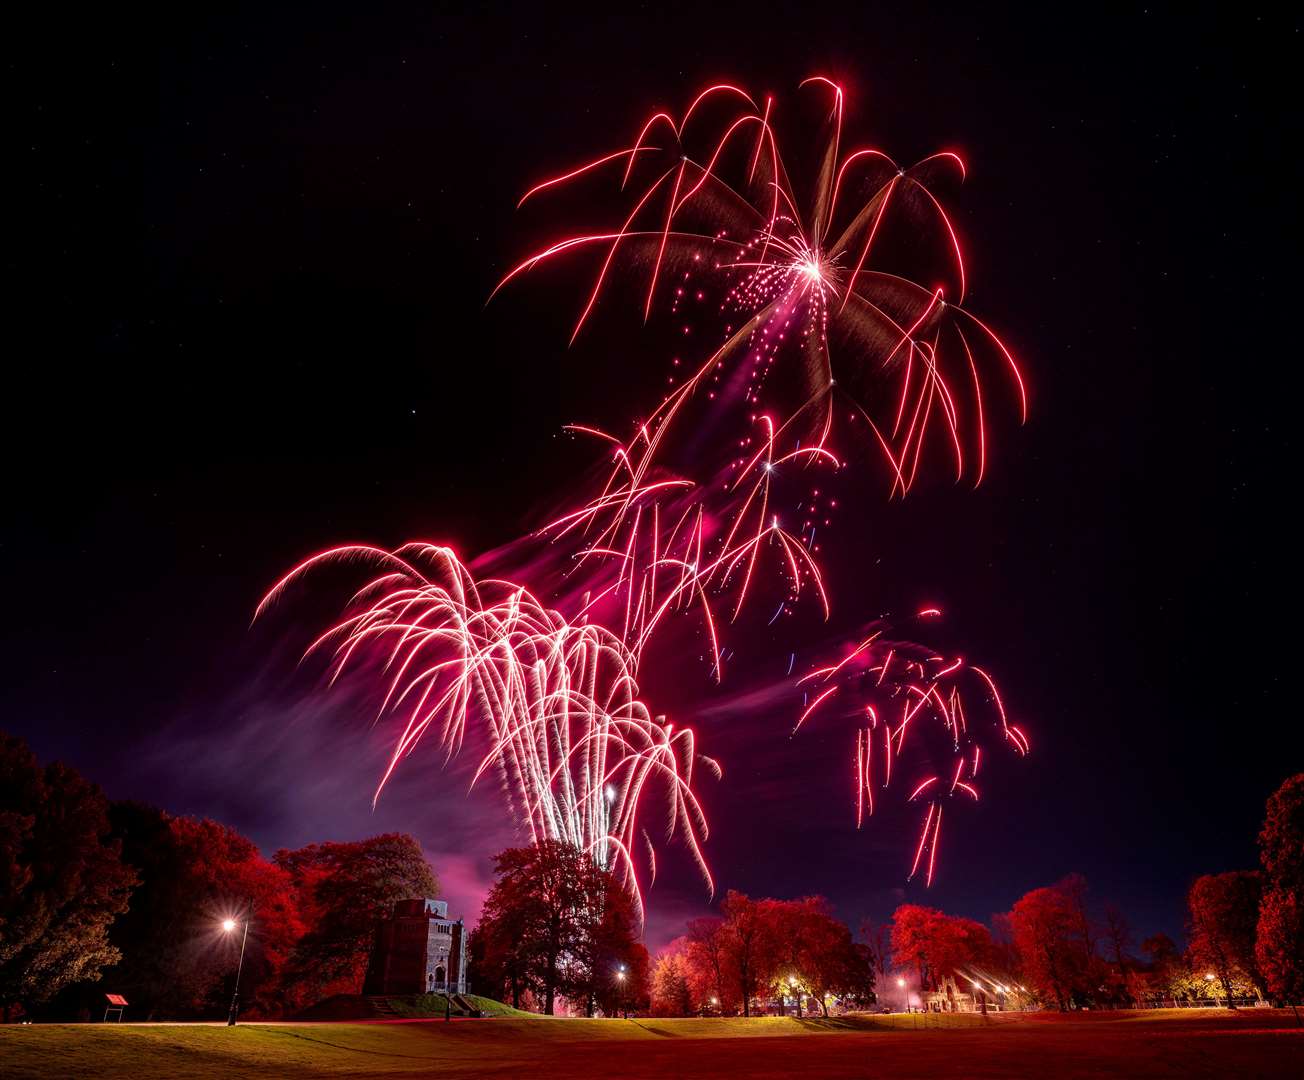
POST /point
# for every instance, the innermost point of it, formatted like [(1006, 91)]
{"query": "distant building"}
[(418, 950)]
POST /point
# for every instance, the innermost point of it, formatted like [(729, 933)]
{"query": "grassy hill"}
[(1263, 1043)]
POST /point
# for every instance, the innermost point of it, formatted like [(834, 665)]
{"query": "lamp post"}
[(620, 979), (443, 966), (228, 925), (905, 997)]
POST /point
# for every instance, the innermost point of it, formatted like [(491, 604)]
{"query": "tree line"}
[(762, 950), (1058, 948), (123, 897)]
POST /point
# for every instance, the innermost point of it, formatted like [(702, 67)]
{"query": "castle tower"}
[(418, 950)]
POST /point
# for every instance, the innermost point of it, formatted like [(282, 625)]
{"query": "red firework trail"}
[(827, 294), (675, 547), (558, 703), (903, 696)]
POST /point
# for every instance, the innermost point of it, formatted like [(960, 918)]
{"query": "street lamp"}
[(620, 978), (905, 998), (228, 925)]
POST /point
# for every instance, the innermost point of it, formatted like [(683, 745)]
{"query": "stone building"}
[(418, 950)]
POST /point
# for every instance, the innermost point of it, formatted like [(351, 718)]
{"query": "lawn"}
[(1254, 1043)]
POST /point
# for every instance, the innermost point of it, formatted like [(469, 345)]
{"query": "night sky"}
[(254, 250)]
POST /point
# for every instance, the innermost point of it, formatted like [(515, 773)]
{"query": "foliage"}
[(62, 880), (176, 959), (556, 924), (342, 889), (936, 945), (1222, 913), (1280, 934), (1045, 926), (672, 993)]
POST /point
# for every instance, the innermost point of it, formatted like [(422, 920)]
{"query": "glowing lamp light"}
[(1210, 977), (228, 925)]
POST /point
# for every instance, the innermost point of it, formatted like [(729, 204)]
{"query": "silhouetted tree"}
[(176, 960), (62, 880)]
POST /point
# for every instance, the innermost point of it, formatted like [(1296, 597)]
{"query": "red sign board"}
[(116, 999)]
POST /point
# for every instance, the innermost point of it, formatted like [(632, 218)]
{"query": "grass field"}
[(1180, 1043)]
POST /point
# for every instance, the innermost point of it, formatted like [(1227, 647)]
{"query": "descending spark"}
[(556, 704), (926, 695)]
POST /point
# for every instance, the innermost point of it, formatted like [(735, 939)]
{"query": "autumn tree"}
[(176, 961), (936, 945), (747, 939), (1222, 912), (559, 925), (878, 945), (672, 994), (1280, 933), (1045, 925), (342, 889), (1116, 936), (1164, 962), (62, 881), (608, 968), (706, 960), (829, 961)]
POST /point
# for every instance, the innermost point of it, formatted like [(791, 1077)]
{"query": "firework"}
[(902, 696), (670, 544), (556, 701), (855, 298)]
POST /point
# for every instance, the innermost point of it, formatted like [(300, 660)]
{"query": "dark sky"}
[(249, 287)]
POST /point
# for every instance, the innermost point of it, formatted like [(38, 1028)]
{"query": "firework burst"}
[(904, 697), (829, 293), (562, 723)]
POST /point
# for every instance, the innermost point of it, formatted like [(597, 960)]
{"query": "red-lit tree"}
[(672, 993), (748, 946), (1222, 912), (1045, 926), (176, 961), (557, 924), (1280, 934), (707, 964), (936, 945)]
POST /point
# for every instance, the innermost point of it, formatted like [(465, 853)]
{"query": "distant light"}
[(1210, 976), (228, 925), (901, 982)]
